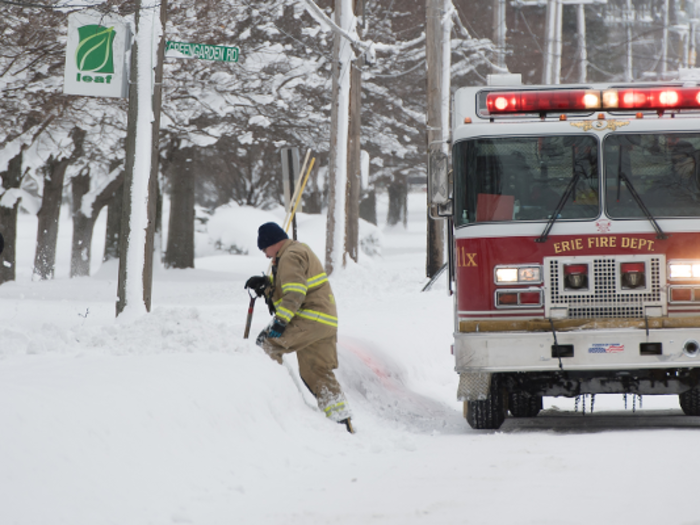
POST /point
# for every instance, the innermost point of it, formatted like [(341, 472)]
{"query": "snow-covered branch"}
[(322, 19)]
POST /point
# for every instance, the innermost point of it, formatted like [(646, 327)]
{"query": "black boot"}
[(348, 425)]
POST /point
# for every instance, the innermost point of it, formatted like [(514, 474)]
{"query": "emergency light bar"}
[(588, 100)]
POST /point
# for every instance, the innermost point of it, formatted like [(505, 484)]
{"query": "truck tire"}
[(489, 413), (690, 402), (524, 405)]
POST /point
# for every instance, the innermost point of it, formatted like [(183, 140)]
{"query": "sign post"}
[(290, 172)]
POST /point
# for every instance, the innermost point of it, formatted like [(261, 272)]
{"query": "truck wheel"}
[(488, 413), (690, 402), (524, 405)]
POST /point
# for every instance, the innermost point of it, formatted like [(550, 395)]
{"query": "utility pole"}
[(664, 42), (340, 121), (141, 169), (629, 20), (352, 201), (582, 51), (437, 35), (549, 41), (556, 59), (499, 30)]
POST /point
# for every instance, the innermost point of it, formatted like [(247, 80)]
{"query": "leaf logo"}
[(94, 52)]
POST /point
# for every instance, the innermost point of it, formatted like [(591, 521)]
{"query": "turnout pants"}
[(315, 346)]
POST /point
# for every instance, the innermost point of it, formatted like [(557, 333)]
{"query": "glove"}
[(258, 283), (272, 353), (276, 329)]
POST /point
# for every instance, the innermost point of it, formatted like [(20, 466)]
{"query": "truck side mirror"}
[(439, 185)]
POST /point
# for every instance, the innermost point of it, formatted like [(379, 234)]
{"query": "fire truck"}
[(574, 243)]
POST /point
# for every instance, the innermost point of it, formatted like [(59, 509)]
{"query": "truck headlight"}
[(683, 270), (518, 274)]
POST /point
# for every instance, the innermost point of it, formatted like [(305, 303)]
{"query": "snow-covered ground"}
[(174, 418)]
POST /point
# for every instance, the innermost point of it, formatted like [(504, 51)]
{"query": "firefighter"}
[(305, 318)]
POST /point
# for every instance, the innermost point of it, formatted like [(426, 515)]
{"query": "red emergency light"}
[(589, 100), (543, 101), (655, 99)]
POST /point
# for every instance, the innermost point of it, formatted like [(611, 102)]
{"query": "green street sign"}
[(201, 51)]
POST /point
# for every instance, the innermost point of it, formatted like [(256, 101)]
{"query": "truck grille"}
[(605, 297)]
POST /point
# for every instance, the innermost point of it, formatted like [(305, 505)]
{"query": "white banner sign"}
[(96, 55)]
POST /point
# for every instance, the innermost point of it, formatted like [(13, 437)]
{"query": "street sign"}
[(201, 51)]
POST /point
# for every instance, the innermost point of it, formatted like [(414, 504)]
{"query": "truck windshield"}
[(662, 168), (524, 178)]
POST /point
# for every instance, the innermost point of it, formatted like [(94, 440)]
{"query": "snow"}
[(173, 418)]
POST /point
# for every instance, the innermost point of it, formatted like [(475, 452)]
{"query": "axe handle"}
[(249, 319)]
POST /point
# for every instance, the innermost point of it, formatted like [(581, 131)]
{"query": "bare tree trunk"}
[(47, 229), (352, 203), (180, 247), (82, 227), (114, 222), (368, 207), (398, 195), (8, 220), (51, 199)]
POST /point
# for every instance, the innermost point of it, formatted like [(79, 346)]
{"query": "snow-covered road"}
[(174, 418)]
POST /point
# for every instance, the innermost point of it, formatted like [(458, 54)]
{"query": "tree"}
[(9, 207), (54, 172), (85, 208), (180, 246), (229, 119), (29, 102)]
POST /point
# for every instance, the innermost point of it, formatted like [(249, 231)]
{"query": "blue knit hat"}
[(270, 233)]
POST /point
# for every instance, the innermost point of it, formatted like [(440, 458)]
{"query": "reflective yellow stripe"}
[(284, 313), (317, 280), (338, 407), (294, 287), (318, 317)]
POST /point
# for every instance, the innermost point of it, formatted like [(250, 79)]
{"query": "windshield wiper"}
[(622, 176), (552, 218)]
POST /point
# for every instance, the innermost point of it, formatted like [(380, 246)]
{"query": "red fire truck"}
[(575, 246)]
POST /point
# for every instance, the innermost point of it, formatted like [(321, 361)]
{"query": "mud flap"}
[(473, 386)]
